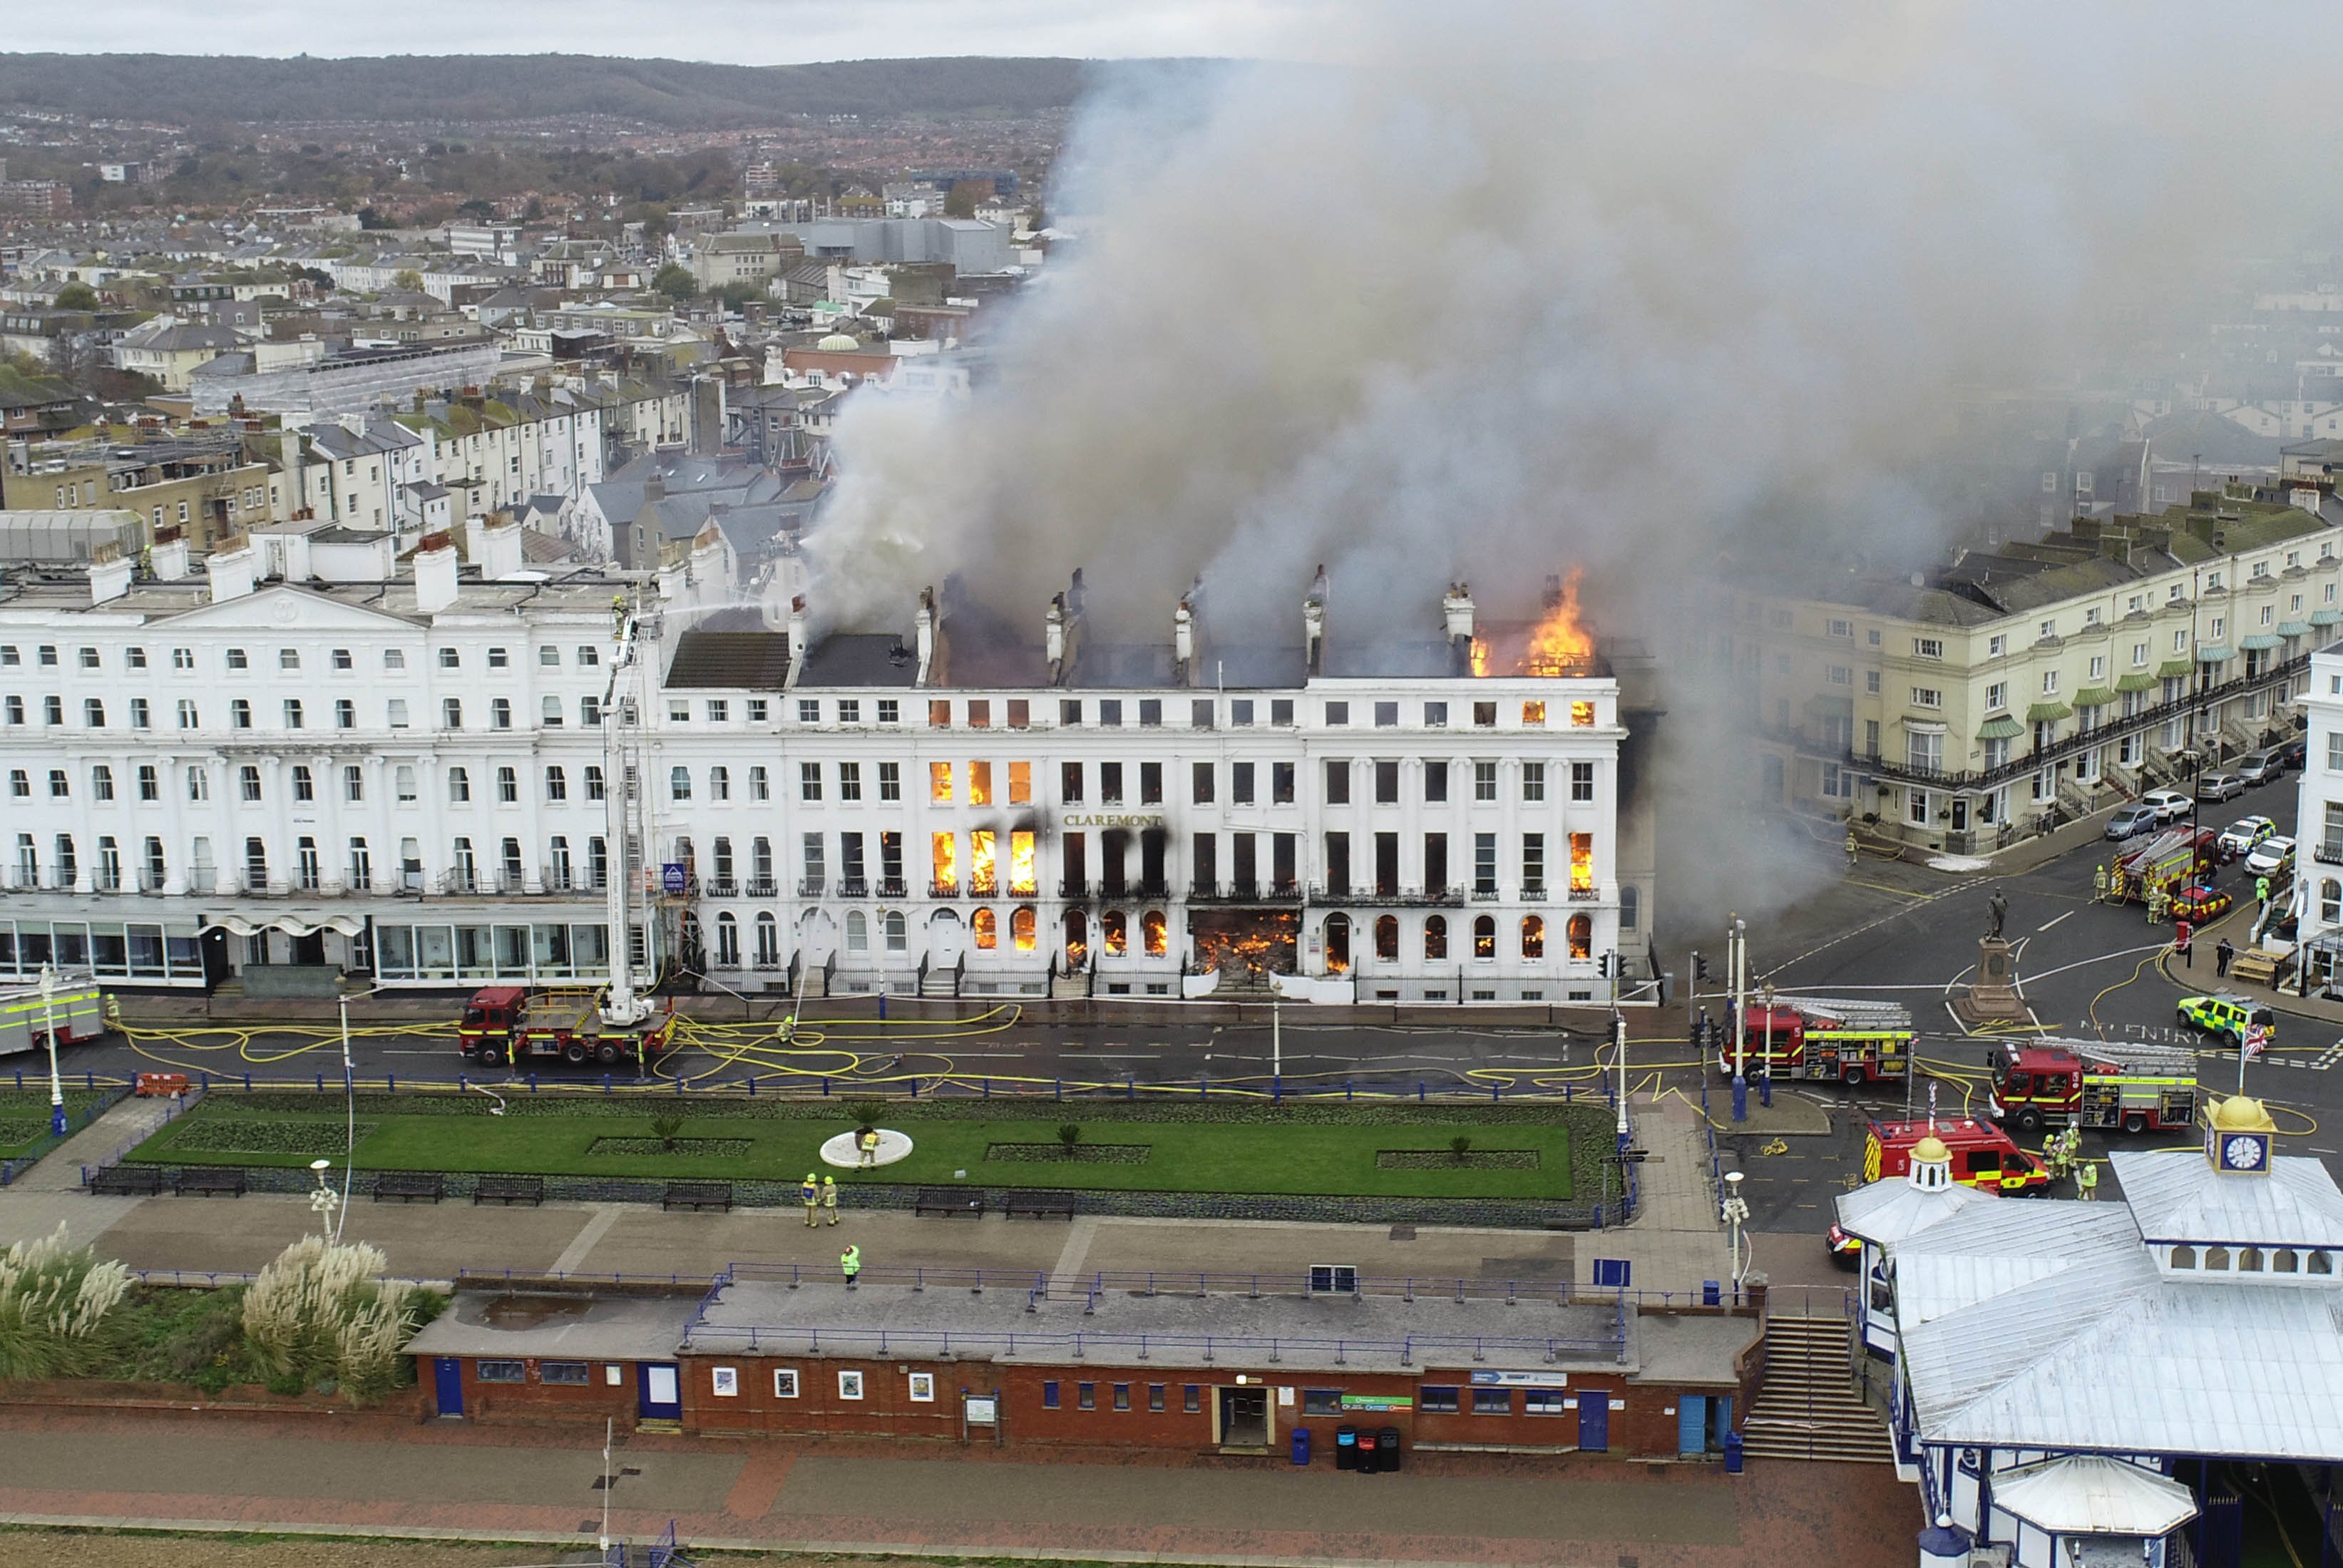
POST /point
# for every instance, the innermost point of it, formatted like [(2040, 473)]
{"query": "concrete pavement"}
[(357, 1474)]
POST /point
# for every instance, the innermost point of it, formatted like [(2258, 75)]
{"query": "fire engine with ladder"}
[(2133, 1088), (1820, 1037), (620, 1025)]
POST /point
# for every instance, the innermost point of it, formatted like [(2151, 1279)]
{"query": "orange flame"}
[(1560, 644), (980, 863), (1020, 862), (946, 861)]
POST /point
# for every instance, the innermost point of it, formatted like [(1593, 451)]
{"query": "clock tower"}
[(2238, 1137)]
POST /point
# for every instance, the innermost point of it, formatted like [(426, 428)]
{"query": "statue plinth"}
[(1993, 997)]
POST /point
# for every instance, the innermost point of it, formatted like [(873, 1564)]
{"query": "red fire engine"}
[(2137, 1088), (1983, 1156), (1812, 1036), (506, 1024)]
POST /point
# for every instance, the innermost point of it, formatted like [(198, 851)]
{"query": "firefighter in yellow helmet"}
[(829, 1199), (810, 1194), (2086, 1180)]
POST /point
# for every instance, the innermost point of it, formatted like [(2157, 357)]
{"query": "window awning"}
[(2213, 653), (2048, 713), (2138, 680), (2173, 668), (2294, 629), (2326, 617), (2095, 697), (2002, 728), (2260, 642)]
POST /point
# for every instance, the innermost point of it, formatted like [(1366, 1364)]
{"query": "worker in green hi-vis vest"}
[(850, 1262)]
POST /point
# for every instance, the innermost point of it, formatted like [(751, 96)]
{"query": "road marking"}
[(1127, 1055), (2328, 1057), (2067, 916)]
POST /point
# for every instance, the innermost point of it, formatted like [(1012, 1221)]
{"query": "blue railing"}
[(48, 1143)]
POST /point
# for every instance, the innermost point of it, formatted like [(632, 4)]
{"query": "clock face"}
[(2242, 1153)]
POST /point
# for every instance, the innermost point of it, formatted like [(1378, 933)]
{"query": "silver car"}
[(2220, 787)]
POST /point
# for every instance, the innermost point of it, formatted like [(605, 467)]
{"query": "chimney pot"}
[(230, 572), (435, 575)]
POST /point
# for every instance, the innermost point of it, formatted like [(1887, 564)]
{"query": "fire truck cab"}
[(1821, 1038), (2053, 1082), (1983, 1156), (505, 1024)]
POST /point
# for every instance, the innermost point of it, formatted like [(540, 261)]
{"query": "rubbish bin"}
[(1711, 1294), (1387, 1450), (1301, 1445), (1346, 1448), (1367, 1454), (1732, 1453)]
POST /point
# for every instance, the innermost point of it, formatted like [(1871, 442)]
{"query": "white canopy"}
[(2084, 1495)]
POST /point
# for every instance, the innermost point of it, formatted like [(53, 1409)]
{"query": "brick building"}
[(1142, 1361)]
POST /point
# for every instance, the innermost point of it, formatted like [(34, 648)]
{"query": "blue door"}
[(658, 1392), (1593, 1420), (1692, 1424), (447, 1379)]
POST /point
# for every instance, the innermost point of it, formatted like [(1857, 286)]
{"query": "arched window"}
[(1387, 938), (2284, 1260), (678, 783), (899, 940), (1631, 902), (1078, 938), (1152, 931), (1485, 936), (858, 932), (2184, 1257), (1533, 936), (2218, 1259), (769, 941), (1435, 937), (1581, 933), (988, 935), (2330, 901), (2249, 1260), (727, 941), (1338, 944), (1114, 925), (1020, 926), (2322, 1263)]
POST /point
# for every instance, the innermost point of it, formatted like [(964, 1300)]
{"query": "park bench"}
[(410, 1187), (715, 1195), (949, 1202), (510, 1190), (1046, 1203), (128, 1181), (211, 1181)]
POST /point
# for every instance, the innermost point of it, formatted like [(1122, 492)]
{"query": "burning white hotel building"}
[(413, 782)]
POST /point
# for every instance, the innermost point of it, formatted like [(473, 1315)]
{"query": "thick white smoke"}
[(1484, 290)]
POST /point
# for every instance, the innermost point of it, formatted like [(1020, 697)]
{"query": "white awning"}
[(292, 925), (2084, 1495)]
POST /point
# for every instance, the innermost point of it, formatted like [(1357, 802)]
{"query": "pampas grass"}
[(54, 1300), (323, 1312)]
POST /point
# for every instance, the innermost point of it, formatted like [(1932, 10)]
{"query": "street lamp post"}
[(1766, 1063), (49, 1022), (1737, 1212), (1736, 964), (1276, 1052), (1619, 1049)]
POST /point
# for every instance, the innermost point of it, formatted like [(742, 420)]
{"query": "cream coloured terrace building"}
[(1951, 708)]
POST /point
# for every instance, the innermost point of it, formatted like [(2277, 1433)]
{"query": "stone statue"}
[(1998, 907)]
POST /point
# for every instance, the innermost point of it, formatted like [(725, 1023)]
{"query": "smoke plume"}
[(1480, 290)]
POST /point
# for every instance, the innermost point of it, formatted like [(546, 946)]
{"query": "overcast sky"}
[(757, 32)]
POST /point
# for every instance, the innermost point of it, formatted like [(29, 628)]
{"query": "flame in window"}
[(946, 862), (981, 880), (980, 783), (1582, 862), (1020, 863), (939, 783)]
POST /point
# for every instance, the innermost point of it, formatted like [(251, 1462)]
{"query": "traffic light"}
[(1606, 966), (1699, 968)]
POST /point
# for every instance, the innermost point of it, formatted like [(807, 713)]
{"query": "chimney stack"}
[(1183, 643), (925, 624), (168, 558), (1054, 637), (230, 572), (799, 640), (1313, 625), (435, 575), (109, 578), (496, 547)]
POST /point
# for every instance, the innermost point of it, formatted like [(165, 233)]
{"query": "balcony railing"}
[(853, 888), (1386, 895), (763, 888), (1585, 895), (943, 889), (812, 887), (2329, 854), (893, 888), (723, 887)]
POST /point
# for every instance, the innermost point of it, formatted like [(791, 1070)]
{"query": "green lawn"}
[(25, 1117), (1242, 1153)]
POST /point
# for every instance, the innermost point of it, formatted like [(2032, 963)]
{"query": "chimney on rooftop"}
[(109, 576), (230, 571), (1313, 625), (1183, 641), (435, 574), (1054, 637), (924, 624), (655, 489), (496, 547), (168, 558), (799, 641), (1456, 612)]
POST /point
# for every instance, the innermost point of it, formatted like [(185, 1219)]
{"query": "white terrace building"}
[(409, 780)]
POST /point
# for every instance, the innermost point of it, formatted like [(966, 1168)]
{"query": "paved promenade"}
[(358, 1474)]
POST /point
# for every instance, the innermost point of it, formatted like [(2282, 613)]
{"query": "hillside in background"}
[(484, 90)]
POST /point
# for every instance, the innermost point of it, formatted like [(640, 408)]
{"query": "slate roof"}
[(729, 660), (2175, 1196)]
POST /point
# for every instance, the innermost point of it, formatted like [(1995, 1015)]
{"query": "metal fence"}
[(48, 1143)]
